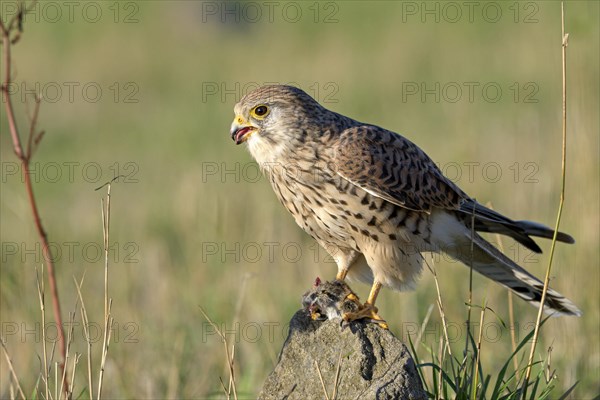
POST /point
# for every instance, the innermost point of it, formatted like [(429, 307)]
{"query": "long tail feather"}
[(488, 220), (539, 230), (490, 262)]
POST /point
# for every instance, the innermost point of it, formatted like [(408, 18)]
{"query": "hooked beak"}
[(241, 130)]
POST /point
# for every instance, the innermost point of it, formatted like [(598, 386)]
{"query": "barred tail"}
[(490, 262)]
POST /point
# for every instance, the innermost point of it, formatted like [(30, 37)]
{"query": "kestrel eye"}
[(261, 111)]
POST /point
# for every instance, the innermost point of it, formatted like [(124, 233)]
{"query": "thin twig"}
[(12, 123), (15, 25), (33, 118), (565, 41)]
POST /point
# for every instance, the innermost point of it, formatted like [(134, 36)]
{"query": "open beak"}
[(241, 130)]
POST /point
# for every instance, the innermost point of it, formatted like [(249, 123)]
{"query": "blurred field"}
[(195, 226)]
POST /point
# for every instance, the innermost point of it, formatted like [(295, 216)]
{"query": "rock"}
[(357, 360)]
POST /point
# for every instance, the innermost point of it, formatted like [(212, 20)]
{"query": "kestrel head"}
[(277, 119), (270, 111)]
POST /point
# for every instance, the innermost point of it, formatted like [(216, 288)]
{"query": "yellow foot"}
[(365, 311)]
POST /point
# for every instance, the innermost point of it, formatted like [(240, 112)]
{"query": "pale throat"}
[(265, 152)]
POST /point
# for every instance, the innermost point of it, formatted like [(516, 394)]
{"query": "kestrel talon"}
[(375, 201)]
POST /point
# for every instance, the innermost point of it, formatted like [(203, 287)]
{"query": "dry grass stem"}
[(511, 311), (336, 380), (550, 374), (441, 357), (75, 362), (40, 289), (108, 319), (105, 236), (424, 323), (470, 298), (11, 369), (63, 380), (105, 345), (232, 375), (440, 305), (478, 357), (56, 380), (232, 384), (86, 333), (322, 381), (564, 43)]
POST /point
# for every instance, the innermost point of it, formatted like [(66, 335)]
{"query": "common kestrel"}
[(375, 201)]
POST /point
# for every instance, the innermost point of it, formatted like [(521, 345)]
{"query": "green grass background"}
[(176, 133)]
